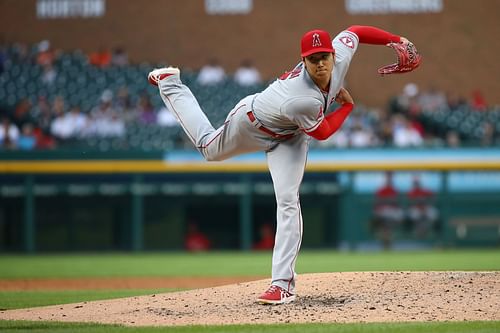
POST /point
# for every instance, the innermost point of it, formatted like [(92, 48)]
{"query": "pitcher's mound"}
[(325, 297)]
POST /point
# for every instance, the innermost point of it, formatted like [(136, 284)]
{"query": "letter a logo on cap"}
[(316, 41)]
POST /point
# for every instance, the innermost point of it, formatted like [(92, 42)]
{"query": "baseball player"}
[(281, 121)]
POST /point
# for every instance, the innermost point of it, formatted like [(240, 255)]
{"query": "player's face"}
[(320, 66)]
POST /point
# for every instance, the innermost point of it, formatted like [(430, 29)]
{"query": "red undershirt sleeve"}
[(372, 35), (332, 122)]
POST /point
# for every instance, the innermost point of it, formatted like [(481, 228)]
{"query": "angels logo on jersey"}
[(347, 41)]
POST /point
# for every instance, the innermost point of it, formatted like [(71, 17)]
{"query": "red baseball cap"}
[(315, 41)]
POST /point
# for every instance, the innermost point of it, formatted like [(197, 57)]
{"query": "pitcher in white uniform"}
[(279, 121)]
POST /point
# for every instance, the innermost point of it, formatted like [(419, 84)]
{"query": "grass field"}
[(469, 327), (238, 263), (223, 264)]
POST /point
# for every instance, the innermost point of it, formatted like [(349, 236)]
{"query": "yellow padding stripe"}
[(135, 166)]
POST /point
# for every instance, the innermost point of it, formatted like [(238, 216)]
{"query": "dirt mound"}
[(325, 297)]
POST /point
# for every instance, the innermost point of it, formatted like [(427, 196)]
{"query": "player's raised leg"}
[(236, 136), (181, 102)]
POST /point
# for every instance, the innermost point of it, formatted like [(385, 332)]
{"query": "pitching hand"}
[(343, 97)]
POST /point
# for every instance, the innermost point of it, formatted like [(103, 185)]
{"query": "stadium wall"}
[(55, 201)]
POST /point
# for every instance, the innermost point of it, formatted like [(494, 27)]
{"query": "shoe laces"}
[(273, 288)]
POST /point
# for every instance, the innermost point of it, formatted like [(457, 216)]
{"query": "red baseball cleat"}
[(159, 74), (276, 295)]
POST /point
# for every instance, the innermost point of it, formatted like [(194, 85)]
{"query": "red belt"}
[(259, 126)]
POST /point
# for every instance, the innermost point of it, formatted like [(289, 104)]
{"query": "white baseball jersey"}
[(294, 102)]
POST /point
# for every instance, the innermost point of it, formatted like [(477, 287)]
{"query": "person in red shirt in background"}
[(422, 213), (478, 101), (101, 58), (45, 55), (266, 241), (196, 240), (388, 213)]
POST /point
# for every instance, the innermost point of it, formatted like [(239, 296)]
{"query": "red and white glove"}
[(407, 56)]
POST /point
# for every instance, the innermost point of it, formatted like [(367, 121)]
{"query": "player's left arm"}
[(373, 35), (408, 57)]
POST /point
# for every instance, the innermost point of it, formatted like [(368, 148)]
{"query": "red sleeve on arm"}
[(332, 122), (372, 35)]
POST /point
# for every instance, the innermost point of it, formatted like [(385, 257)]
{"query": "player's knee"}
[(288, 202)]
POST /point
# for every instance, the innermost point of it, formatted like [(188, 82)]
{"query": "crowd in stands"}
[(38, 121)]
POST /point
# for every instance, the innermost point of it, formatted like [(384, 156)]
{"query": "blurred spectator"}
[(452, 139), (27, 139), (124, 107), (195, 240), (478, 101), (114, 127), (123, 100), (59, 127), (432, 99), (9, 134), (104, 120), (43, 139), (404, 134), (145, 110), (166, 118), (454, 101), (387, 213), (49, 74), (385, 133), (360, 137), (76, 121), (212, 73), (416, 124), (41, 112), (21, 54), (22, 113), (58, 105), (247, 74), (100, 58), (422, 213), (119, 57), (488, 134), (407, 99), (105, 107), (45, 55), (266, 241)]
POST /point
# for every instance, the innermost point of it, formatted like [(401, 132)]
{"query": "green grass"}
[(31, 298), (446, 327), (237, 263), (223, 264)]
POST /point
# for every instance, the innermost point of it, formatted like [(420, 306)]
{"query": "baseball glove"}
[(408, 59)]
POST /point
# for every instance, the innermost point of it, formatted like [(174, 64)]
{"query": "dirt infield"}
[(325, 297)]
